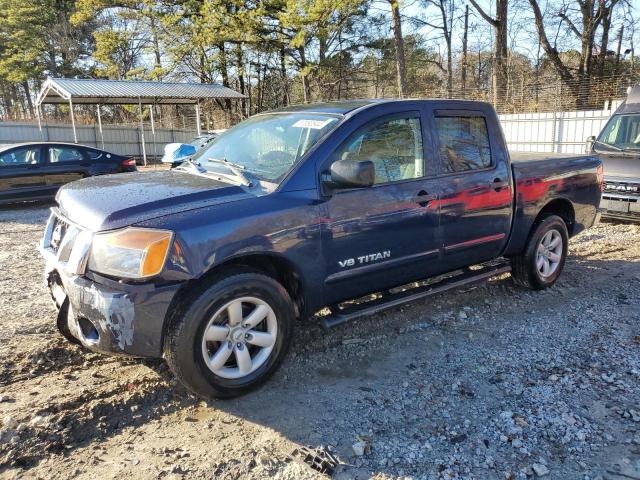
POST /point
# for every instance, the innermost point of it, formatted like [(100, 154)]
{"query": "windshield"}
[(266, 146), (622, 132)]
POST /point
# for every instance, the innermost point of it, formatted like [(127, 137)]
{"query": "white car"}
[(176, 153)]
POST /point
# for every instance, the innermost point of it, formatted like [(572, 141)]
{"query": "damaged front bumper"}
[(102, 314)]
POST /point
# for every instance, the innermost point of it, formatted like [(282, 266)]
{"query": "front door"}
[(387, 234), (476, 192), (21, 174)]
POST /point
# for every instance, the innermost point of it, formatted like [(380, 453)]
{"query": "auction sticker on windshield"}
[(314, 124)]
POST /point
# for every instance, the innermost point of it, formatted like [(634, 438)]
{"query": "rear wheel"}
[(542, 261), (229, 336)]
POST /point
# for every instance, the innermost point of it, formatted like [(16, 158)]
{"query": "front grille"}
[(631, 188), (59, 229), (66, 243), (615, 205)]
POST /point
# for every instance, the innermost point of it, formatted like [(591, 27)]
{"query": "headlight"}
[(130, 253)]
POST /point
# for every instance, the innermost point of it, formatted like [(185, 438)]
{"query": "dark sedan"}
[(35, 171)]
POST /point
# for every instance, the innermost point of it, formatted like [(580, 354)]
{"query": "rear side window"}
[(394, 147), (20, 156), (65, 154), (96, 154), (464, 143)]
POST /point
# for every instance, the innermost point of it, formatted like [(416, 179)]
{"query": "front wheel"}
[(230, 335), (541, 263)]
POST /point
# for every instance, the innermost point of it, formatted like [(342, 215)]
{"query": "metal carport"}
[(72, 91)]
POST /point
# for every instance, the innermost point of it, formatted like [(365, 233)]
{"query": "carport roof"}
[(90, 91)]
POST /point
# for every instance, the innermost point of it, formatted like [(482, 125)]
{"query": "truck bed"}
[(541, 178), (520, 157)]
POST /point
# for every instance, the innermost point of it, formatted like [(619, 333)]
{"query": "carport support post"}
[(39, 120), (153, 131), (100, 125), (73, 122), (144, 148), (198, 129)]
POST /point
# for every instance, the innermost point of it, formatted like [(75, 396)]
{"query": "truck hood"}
[(621, 166), (115, 201)]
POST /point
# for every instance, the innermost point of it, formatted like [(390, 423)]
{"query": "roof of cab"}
[(348, 106), (631, 104), (336, 108)]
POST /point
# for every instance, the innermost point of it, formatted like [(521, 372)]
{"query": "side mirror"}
[(589, 143), (350, 174)]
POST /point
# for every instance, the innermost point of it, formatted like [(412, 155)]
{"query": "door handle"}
[(498, 184), (423, 198)]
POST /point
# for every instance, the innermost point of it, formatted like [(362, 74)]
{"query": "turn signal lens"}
[(130, 253)]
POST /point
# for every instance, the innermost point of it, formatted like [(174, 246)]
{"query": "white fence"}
[(120, 139), (562, 132)]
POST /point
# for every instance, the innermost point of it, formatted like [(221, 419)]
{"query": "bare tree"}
[(500, 46), (591, 16), (443, 23)]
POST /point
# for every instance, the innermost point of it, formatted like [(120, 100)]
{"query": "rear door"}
[(21, 175), (387, 234), (65, 163), (475, 181)]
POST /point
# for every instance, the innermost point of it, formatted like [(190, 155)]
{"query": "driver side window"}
[(394, 147)]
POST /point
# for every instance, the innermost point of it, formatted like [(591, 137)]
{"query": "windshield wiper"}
[(193, 163), (235, 168), (608, 145)]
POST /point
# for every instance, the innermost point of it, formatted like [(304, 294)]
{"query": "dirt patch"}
[(488, 382)]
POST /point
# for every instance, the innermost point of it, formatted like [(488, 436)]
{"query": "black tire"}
[(62, 323), (524, 269), (183, 339)]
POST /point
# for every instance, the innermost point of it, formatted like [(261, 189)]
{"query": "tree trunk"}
[(303, 73), (259, 86), (465, 37), (156, 50), (340, 61), (27, 95), (224, 73), (500, 72), (399, 44), (619, 48), (283, 76), (500, 47), (604, 42), (319, 71), (563, 71), (241, 74)]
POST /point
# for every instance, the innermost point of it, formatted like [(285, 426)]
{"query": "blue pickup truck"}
[(300, 210)]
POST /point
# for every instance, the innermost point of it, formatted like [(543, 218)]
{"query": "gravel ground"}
[(489, 382)]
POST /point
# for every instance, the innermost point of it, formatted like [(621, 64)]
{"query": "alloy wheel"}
[(239, 337), (549, 253)]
